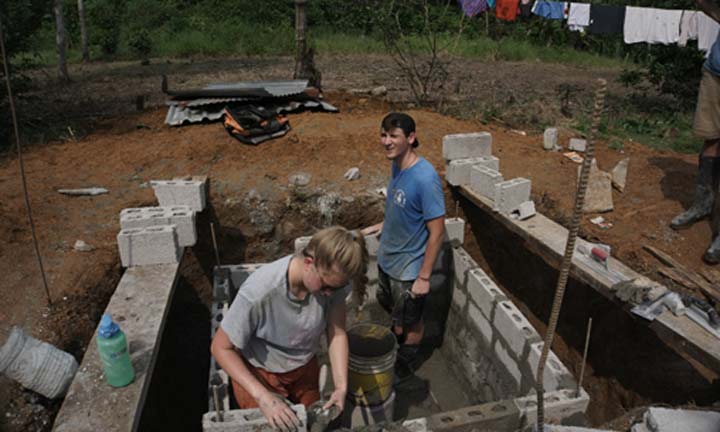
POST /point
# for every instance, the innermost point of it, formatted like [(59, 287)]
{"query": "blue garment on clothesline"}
[(550, 9)]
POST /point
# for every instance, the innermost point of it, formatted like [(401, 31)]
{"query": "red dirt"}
[(125, 152)]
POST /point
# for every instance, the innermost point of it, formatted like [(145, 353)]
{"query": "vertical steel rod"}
[(215, 248), (584, 359)]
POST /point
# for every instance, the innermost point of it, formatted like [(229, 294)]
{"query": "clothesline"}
[(637, 24)]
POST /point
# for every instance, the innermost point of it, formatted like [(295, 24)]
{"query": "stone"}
[(598, 197), (483, 180), (182, 217), (299, 179), (577, 144), (467, 145), (550, 139), (151, 245), (510, 194), (619, 174), (189, 193), (81, 246), (379, 91), (352, 174)]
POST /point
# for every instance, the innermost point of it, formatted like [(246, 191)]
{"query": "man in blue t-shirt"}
[(707, 126), (411, 236)]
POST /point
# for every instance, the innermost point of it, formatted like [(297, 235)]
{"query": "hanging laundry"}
[(606, 19), (651, 25), (578, 16), (688, 27), (491, 4), (549, 9), (526, 7), (707, 31), (473, 7), (507, 9)]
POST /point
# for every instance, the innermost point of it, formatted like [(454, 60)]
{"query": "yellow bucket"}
[(372, 359)]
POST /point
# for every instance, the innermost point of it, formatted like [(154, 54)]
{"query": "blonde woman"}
[(268, 340)]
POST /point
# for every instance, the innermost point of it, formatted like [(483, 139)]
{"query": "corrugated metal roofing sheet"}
[(275, 88), (177, 115)]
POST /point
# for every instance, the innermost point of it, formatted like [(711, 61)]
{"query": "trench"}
[(628, 366)]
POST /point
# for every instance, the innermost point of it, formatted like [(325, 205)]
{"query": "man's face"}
[(395, 142)]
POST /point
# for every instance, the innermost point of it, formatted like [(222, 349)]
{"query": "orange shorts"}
[(298, 386)]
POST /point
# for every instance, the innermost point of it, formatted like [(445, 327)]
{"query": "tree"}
[(60, 40), (83, 32)]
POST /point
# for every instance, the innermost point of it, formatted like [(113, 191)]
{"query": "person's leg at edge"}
[(712, 149), (703, 200)]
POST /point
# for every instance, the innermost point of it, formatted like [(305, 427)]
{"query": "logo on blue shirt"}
[(399, 197)]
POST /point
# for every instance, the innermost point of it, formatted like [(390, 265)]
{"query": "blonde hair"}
[(338, 248)]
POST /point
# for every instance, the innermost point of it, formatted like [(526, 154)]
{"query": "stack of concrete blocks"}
[(158, 235), (248, 420), (471, 163), (181, 217), (494, 344)]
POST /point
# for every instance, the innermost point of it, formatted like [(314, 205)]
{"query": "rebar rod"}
[(215, 247), (584, 358), (569, 250), (22, 165)]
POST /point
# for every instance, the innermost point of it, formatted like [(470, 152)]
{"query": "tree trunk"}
[(83, 32), (300, 42), (60, 40)]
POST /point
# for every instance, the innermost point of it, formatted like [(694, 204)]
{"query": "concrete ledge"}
[(140, 305)]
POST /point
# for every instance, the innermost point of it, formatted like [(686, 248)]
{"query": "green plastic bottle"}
[(113, 349)]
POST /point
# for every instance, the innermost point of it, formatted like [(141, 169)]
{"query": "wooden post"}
[(300, 40)]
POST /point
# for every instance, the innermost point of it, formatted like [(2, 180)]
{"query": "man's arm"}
[(276, 411), (338, 352), (436, 228), (710, 7)]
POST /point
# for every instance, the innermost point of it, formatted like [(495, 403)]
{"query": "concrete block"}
[(247, 420), (152, 245), (461, 146), (180, 192), (514, 328), (372, 243), (182, 217), (670, 420), (484, 179), (558, 428), (459, 300), (458, 170), (480, 324), (577, 144), (301, 242), (559, 405), (556, 375), (510, 194), (550, 139), (483, 291), (493, 416), (454, 231), (503, 356), (525, 210), (462, 263)]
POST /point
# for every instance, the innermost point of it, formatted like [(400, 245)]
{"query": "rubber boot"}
[(712, 254), (703, 202)]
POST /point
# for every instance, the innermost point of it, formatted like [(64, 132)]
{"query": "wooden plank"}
[(140, 304), (545, 236), (688, 274), (677, 277)]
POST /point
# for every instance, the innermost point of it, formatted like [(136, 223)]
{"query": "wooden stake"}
[(584, 359), (215, 248)]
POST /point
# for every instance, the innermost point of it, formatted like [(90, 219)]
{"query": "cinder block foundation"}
[(469, 145), (151, 245), (483, 180), (458, 170), (248, 420), (182, 217), (190, 193)]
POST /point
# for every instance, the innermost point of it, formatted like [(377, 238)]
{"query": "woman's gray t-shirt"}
[(273, 329)]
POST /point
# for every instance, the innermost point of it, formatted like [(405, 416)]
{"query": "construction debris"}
[(577, 144), (599, 192), (574, 157), (601, 222), (92, 191), (81, 246), (352, 174), (619, 174)]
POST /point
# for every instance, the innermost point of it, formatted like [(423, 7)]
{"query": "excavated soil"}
[(257, 214)]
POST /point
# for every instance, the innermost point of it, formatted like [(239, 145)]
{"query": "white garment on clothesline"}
[(707, 31), (651, 25), (578, 16), (688, 27)]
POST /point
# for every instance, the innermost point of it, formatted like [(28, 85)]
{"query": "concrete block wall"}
[(182, 217), (510, 194), (151, 245), (484, 179), (467, 145), (191, 193), (495, 346)]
